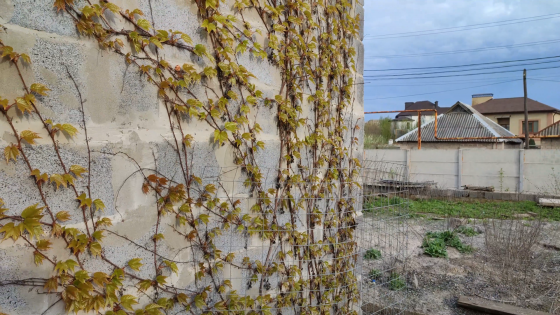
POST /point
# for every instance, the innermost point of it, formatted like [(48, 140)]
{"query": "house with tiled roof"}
[(460, 121), (509, 113)]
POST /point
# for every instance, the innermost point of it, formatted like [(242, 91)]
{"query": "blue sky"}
[(399, 16)]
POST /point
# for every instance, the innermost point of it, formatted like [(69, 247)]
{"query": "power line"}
[(464, 28), (455, 71), (457, 75), (467, 65), (544, 80), (440, 53), (437, 92)]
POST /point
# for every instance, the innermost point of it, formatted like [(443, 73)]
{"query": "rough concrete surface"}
[(125, 120)]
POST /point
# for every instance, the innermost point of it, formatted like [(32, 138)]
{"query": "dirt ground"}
[(435, 284)]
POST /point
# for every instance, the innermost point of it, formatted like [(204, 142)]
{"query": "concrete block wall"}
[(527, 171), (123, 116)]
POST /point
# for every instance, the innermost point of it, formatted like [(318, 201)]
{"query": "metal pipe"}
[(420, 129)]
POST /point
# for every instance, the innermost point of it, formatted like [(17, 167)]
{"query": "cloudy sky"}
[(531, 26)]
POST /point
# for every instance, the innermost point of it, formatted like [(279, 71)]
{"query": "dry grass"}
[(511, 244)]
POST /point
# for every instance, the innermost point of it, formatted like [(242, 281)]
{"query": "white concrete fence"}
[(527, 171)]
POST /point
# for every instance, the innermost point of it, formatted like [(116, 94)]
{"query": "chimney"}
[(436, 107), (481, 98)]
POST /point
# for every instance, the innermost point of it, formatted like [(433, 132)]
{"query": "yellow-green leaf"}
[(99, 205), (77, 170), (10, 230), (172, 266), (58, 180), (127, 301), (11, 152), (143, 23), (135, 264), (231, 126), (39, 89), (29, 136)]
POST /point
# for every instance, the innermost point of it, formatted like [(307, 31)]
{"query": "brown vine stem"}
[(87, 142), (56, 147)]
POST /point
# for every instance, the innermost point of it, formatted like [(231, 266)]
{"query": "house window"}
[(504, 122), (533, 126)]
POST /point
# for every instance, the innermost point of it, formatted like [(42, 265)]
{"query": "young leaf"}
[(143, 23), (67, 128), (84, 200), (11, 152), (10, 230), (127, 301), (95, 249), (77, 170), (231, 126), (135, 264), (144, 285), (23, 105), (63, 216), (186, 38), (58, 180), (98, 235), (38, 258), (39, 89), (161, 279), (104, 222), (26, 58), (172, 266), (43, 244), (29, 136), (4, 103), (99, 205)]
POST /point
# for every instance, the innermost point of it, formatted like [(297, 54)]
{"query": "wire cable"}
[(464, 28), (481, 49), (458, 75), (437, 92), (467, 65), (455, 71)]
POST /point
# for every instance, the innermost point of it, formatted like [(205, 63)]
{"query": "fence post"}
[(408, 164), (459, 168), (521, 171)]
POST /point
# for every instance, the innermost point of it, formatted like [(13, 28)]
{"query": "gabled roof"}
[(421, 105), (460, 121), (552, 130), (512, 105)]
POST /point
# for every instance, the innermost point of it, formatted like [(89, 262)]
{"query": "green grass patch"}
[(375, 274), (396, 282), (372, 254), (476, 209), (435, 244), (466, 230)]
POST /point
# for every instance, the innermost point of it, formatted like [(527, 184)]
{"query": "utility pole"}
[(525, 106)]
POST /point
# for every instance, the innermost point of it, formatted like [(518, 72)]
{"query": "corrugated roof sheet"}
[(552, 130), (460, 121)]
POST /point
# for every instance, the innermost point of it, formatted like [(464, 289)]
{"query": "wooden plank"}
[(492, 307), (549, 202)]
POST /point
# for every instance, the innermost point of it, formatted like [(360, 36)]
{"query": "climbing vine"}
[(310, 42)]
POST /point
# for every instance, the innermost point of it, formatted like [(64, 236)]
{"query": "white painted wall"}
[(539, 169)]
